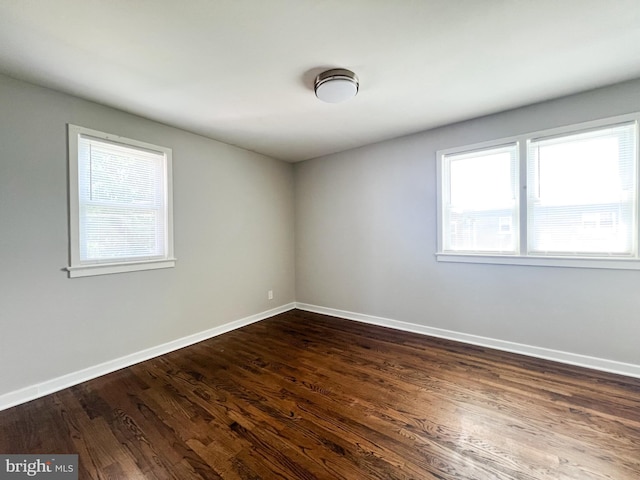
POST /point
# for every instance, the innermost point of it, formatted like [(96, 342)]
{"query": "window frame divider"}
[(523, 206)]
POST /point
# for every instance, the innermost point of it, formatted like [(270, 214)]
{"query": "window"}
[(582, 195), (564, 197), (120, 204), (480, 203)]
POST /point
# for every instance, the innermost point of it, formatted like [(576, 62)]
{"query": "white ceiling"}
[(241, 71)]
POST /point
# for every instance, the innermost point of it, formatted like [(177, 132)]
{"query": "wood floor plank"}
[(308, 396)]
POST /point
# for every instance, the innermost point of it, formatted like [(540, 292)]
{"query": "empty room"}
[(305, 239)]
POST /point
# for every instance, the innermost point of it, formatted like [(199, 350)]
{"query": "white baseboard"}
[(32, 392), (595, 363)]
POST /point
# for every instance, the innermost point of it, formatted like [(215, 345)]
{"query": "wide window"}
[(120, 204), (566, 197)]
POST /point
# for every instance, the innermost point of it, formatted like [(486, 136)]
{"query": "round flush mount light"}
[(336, 85)]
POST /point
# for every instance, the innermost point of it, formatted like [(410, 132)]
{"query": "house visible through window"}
[(582, 195), (120, 204), (480, 200), (567, 196)]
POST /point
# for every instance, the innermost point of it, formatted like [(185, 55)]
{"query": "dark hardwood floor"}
[(305, 396)]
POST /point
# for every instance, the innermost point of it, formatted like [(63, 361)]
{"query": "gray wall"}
[(366, 238), (234, 240)]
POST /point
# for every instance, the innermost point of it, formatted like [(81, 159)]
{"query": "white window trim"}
[(76, 267), (618, 263)]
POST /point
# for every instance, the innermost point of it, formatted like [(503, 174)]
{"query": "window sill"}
[(573, 262), (109, 268)]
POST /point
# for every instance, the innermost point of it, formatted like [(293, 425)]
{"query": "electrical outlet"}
[(270, 294)]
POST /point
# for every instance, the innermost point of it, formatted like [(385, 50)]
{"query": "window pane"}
[(122, 202), (115, 233), (480, 208), (581, 196), (116, 177)]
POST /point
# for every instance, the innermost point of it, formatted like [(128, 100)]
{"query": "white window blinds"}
[(122, 202)]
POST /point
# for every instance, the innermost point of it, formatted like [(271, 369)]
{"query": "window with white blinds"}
[(567, 197), (582, 193), (120, 204)]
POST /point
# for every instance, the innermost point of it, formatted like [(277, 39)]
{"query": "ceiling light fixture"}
[(336, 85)]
